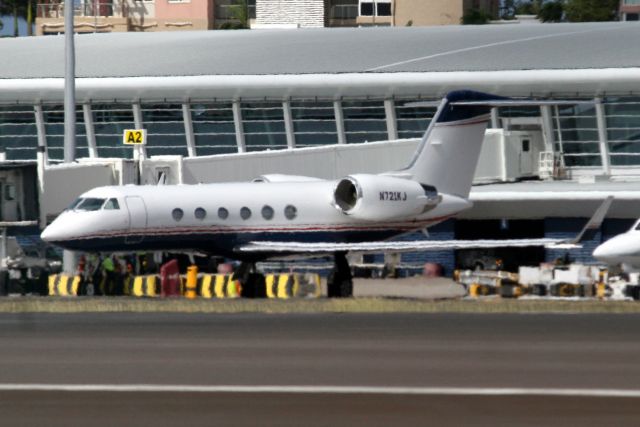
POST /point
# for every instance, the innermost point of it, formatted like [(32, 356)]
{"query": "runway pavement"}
[(364, 369)]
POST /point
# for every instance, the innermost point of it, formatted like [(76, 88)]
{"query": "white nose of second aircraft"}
[(618, 249)]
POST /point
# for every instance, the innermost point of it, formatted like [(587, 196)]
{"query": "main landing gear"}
[(340, 281), (253, 283)]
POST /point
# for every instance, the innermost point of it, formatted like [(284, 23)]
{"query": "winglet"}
[(590, 228)]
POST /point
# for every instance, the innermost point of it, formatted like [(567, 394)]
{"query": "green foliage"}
[(239, 12), (528, 7), (508, 9), (232, 26), (475, 17), (591, 10), (551, 11)]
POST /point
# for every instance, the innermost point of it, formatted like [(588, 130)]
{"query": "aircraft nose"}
[(54, 232), (613, 249), (602, 252), (48, 234)]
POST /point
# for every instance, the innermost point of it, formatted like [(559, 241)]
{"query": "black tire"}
[(339, 287), (255, 286), (4, 283)]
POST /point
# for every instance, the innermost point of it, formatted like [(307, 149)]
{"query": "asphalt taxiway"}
[(319, 369)]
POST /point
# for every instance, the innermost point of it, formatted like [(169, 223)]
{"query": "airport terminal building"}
[(233, 105)]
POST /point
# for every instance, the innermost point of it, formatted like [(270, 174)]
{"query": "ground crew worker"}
[(108, 276)]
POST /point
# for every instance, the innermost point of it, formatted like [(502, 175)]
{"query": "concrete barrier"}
[(145, 286), (64, 285), (294, 285)]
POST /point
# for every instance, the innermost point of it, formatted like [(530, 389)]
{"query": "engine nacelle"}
[(381, 198)]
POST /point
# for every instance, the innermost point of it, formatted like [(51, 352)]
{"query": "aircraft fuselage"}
[(216, 218)]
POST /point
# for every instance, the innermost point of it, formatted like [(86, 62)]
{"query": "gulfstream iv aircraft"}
[(288, 215)]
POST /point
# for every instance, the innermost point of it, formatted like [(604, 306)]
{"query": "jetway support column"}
[(237, 121), (602, 137), (390, 114), (339, 116), (69, 262), (547, 127)]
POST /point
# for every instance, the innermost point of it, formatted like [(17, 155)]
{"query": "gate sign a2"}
[(134, 137)]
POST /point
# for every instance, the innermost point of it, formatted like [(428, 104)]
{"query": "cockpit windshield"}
[(90, 204), (75, 203), (112, 204)]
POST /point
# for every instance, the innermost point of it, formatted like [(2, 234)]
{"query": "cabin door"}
[(137, 219)]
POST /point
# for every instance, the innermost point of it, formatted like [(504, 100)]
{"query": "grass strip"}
[(320, 305)]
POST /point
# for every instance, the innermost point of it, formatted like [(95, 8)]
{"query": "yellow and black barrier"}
[(144, 286), (64, 285), (285, 285), (218, 286)]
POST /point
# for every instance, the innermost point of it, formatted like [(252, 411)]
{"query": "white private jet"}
[(623, 250), (280, 215)]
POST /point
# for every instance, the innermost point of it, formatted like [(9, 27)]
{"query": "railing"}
[(84, 8)]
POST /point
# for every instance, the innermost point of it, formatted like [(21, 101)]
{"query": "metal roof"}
[(331, 50), (510, 59), (540, 199)]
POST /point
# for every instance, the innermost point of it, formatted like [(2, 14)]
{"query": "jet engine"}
[(382, 198)]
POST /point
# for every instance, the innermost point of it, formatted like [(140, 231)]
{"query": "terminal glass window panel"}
[(263, 124), (213, 128), (412, 121), (165, 129), (54, 131), (18, 132), (366, 9), (364, 121), (623, 130), (314, 123), (343, 9), (109, 123), (577, 138), (383, 9)]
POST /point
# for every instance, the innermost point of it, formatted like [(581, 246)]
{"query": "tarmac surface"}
[(319, 369)]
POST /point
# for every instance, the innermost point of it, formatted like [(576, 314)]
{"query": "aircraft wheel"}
[(254, 286), (339, 286), (339, 282)]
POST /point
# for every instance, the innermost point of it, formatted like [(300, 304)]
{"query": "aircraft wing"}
[(591, 226), (393, 246)]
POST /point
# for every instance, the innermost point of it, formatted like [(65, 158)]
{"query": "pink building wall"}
[(193, 9)]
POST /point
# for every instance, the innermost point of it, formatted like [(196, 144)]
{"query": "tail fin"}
[(447, 156)]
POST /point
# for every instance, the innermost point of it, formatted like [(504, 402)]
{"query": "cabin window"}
[(223, 213), (90, 204), (200, 213), (290, 212), (267, 212), (177, 214), (112, 204), (245, 213)]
